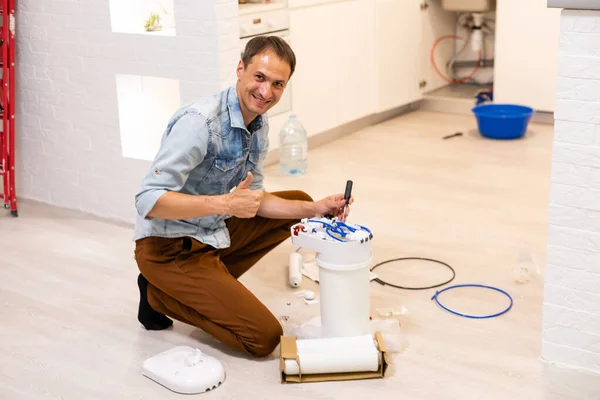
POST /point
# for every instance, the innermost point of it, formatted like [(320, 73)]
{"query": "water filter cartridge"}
[(295, 269)]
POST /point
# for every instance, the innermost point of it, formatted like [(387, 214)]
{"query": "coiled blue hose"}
[(435, 297)]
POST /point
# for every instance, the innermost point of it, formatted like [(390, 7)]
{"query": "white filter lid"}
[(185, 370)]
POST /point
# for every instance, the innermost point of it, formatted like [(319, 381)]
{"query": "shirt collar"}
[(235, 113)]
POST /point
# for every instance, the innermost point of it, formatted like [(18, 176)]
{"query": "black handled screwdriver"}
[(347, 196)]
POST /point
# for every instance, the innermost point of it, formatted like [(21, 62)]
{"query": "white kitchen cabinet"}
[(526, 52), (314, 90), (334, 79), (355, 59), (398, 52), (275, 124)]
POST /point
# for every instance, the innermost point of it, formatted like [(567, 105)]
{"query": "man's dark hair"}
[(276, 44)]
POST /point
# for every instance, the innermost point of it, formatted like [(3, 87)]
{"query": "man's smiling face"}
[(261, 83)]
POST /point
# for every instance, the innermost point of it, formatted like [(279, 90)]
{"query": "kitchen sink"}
[(469, 5)]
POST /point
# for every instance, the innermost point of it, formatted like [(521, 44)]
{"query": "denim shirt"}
[(205, 150)]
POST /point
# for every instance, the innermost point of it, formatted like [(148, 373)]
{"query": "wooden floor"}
[(69, 298)]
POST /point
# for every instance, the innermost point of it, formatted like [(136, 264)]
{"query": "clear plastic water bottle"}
[(293, 147)]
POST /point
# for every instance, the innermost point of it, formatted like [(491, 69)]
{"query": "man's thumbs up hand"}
[(244, 202)]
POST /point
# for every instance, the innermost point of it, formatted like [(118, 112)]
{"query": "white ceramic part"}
[(185, 370)]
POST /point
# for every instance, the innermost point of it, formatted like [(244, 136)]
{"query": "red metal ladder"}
[(7, 105)]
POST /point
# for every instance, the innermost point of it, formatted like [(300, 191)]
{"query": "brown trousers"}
[(197, 284)]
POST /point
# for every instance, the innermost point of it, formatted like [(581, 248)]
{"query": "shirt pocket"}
[(228, 165), (226, 173)]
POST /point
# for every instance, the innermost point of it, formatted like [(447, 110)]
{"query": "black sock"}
[(152, 320)]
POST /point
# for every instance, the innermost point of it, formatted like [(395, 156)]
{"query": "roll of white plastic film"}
[(334, 344), (295, 269), (338, 360)]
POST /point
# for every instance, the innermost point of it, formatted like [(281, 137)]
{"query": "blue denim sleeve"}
[(257, 171), (183, 148)]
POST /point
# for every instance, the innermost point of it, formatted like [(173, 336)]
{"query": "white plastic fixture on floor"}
[(335, 355), (185, 370), (343, 256)]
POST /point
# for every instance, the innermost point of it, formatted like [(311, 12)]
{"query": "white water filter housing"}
[(345, 299), (477, 33), (343, 261)]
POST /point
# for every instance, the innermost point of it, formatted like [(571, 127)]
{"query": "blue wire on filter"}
[(365, 228), (331, 236), (338, 228), (351, 229), (435, 297), (329, 226)]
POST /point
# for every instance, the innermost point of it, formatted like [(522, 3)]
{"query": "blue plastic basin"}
[(502, 121)]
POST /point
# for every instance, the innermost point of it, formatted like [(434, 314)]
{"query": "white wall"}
[(69, 142), (571, 334)]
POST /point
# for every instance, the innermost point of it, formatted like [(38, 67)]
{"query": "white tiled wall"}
[(68, 139), (571, 333)]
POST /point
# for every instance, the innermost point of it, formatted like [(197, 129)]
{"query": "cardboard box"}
[(289, 350)]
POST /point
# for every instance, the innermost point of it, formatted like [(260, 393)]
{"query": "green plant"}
[(153, 23)]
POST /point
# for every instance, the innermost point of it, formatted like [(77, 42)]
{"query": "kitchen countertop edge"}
[(575, 4)]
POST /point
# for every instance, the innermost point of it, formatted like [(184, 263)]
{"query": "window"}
[(145, 105), (152, 17)]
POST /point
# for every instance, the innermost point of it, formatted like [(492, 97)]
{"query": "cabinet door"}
[(436, 22), (526, 52), (398, 52), (314, 90), (355, 68)]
